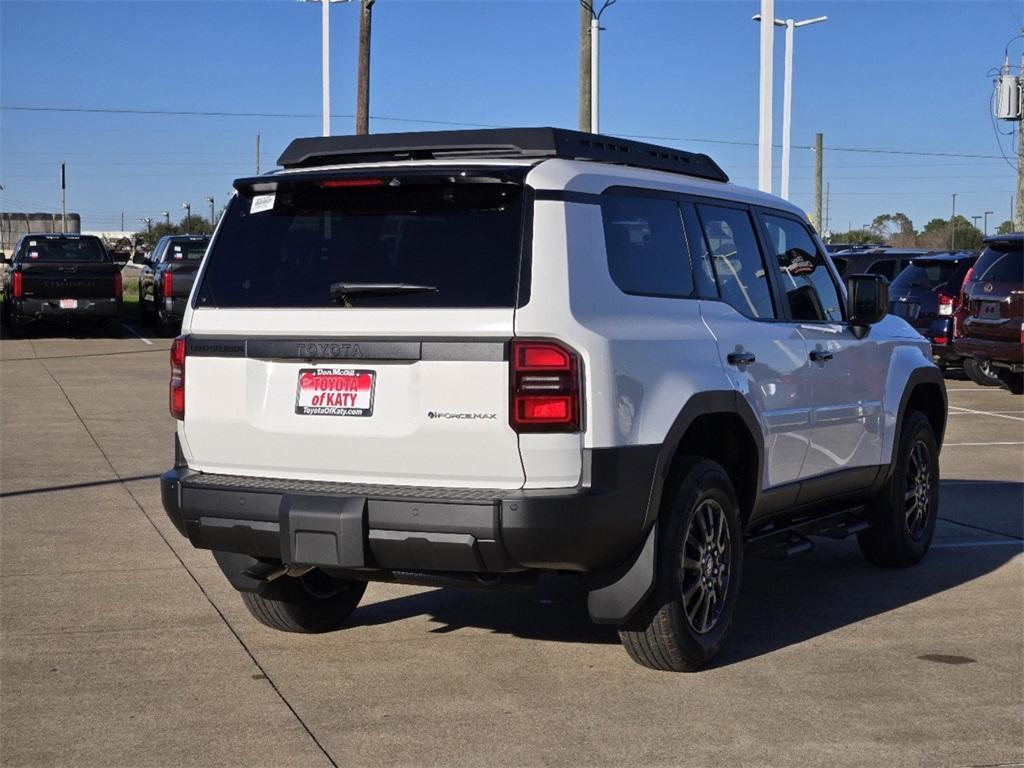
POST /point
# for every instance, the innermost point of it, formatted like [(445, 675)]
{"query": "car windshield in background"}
[(288, 249), (1001, 265), (924, 274), (63, 249), (185, 251)]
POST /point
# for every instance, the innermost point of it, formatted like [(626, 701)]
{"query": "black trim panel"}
[(311, 349), (567, 196)]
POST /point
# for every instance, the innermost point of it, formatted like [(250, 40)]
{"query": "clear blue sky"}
[(897, 75)]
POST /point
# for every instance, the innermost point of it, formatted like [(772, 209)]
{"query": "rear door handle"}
[(821, 356), (741, 358)]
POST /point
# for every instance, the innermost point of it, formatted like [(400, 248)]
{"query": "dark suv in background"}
[(993, 331), (887, 262), (926, 294), (166, 280)]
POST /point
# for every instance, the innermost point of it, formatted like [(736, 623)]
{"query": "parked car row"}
[(73, 278)]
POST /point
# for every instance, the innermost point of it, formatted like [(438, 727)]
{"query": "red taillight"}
[(545, 388), (16, 285), (940, 339), (963, 285), (179, 348), (945, 304), (118, 285), (339, 183), (167, 284)]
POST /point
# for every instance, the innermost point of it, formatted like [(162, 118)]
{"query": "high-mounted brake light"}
[(118, 285), (167, 284), (545, 388), (945, 304), (17, 286), (179, 350), (340, 183)]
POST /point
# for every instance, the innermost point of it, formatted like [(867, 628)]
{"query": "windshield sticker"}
[(33, 254), (262, 203), (32, 243)]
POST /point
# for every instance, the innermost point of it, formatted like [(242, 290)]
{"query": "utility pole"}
[(188, 217), (63, 207), (1019, 218), (257, 154), (952, 226), (828, 207), (764, 135), (595, 69), (363, 89), (122, 221), (585, 14), (818, 142)]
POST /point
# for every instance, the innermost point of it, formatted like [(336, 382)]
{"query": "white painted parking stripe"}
[(963, 544), (143, 339), (947, 445), (986, 413)]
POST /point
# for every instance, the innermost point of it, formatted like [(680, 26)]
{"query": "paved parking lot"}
[(123, 646)]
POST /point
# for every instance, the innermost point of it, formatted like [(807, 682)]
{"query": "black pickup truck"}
[(64, 278), (166, 280)]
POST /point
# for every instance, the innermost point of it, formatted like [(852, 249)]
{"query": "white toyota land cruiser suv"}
[(468, 357)]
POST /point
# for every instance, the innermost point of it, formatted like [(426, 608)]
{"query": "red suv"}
[(993, 331)]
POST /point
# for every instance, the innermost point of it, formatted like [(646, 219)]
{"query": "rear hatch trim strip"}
[(343, 348)]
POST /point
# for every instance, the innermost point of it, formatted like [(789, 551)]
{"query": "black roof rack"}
[(497, 143)]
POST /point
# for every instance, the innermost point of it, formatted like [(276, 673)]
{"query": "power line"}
[(199, 113)]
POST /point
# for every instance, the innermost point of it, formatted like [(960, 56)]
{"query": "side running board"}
[(781, 539)]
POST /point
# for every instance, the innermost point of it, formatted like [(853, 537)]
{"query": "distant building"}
[(14, 225)]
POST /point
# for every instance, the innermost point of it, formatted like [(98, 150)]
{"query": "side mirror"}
[(867, 301)]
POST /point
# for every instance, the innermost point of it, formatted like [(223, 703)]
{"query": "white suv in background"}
[(468, 357)]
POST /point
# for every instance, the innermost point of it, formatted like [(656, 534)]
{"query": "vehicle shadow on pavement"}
[(783, 603)]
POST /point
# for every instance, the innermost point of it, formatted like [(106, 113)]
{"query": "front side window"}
[(647, 253), (732, 249), (810, 292)]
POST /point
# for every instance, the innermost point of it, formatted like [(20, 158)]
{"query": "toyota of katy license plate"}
[(335, 392)]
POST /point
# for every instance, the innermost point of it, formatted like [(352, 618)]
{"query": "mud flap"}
[(323, 530), (625, 589)]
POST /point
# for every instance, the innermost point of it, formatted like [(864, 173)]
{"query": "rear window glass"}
[(71, 249), (1000, 266), (646, 247), (458, 244), (925, 274), (191, 250)]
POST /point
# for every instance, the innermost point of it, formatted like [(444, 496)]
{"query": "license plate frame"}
[(989, 310), (68, 303), (335, 391)]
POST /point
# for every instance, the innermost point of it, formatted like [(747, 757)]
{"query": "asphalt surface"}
[(123, 646)]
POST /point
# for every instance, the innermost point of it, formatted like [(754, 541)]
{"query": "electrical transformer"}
[(1008, 97)]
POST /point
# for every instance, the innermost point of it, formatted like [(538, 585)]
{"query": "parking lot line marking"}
[(947, 445), (963, 544), (143, 339), (986, 413)]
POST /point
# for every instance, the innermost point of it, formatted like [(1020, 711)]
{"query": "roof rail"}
[(497, 143)]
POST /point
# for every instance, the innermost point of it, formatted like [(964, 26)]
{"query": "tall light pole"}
[(188, 217), (149, 224), (975, 220), (787, 92), (987, 214), (167, 217), (209, 199), (952, 226), (595, 36), (325, 32), (764, 133)]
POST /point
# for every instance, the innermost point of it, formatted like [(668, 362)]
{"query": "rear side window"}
[(810, 292), (60, 249), (1000, 266), (460, 242), (732, 248), (840, 265), (925, 274), (646, 247), (886, 268)]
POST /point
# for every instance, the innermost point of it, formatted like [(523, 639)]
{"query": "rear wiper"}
[(341, 291)]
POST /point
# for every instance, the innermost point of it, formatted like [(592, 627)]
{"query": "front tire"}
[(904, 515), (980, 373), (310, 604), (685, 620)]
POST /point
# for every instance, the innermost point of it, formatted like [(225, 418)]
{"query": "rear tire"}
[(165, 327), (699, 567), (980, 373), (115, 328), (903, 517), (1012, 381), (310, 604)]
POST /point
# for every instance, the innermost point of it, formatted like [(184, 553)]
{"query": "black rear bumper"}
[(50, 309), (595, 526)]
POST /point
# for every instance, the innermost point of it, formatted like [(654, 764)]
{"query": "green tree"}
[(198, 226), (895, 229), (937, 234), (1005, 228), (854, 236)]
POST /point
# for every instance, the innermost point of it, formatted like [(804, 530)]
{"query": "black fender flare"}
[(924, 375), (616, 595)]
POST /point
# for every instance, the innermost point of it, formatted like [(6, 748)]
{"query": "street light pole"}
[(188, 217), (167, 217), (952, 226), (987, 214), (212, 214), (787, 94), (149, 224), (764, 134), (325, 39)]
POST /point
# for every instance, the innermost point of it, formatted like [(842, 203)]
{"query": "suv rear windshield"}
[(287, 249), (63, 249), (1000, 264), (185, 250), (925, 274)]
